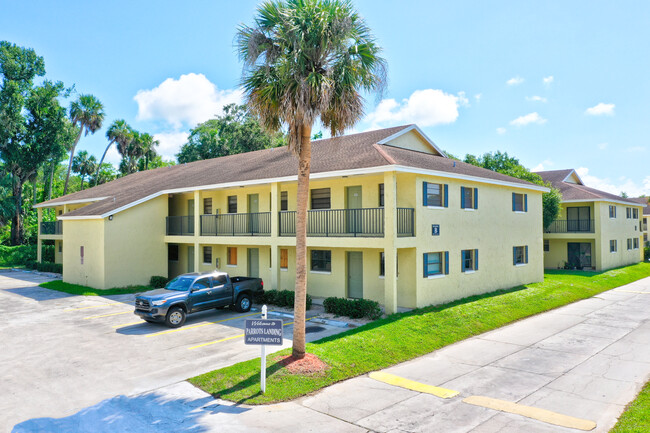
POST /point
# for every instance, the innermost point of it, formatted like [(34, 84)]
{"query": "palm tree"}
[(304, 61), (84, 165), (119, 132), (87, 114), (148, 148)]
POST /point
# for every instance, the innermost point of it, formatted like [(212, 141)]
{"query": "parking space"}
[(62, 352)]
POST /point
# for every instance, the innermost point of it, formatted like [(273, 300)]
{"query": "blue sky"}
[(557, 84)]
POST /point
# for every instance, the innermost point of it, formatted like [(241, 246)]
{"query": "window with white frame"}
[(547, 245), (613, 246), (321, 198), (436, 263), (629, 243), (469, 260), (284, 200), (519, 202), (207, 255), (321, 260), (435, 194), (636, 243), (520, 255), (612, 211), (207, 206), (635, 213), (628, 212), (468, 198), (232, 204)]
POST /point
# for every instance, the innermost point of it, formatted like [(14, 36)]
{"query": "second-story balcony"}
[(236, 224), (571, 226), (52, 227), (367, 222), (180, 225)]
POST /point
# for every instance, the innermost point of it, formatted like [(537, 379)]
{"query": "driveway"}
[(581, 363), (61, 353)]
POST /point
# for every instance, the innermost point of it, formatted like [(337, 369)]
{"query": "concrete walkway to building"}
[(576, 366)]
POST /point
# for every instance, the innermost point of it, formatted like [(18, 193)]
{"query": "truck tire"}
[(243, 304), (175, 317)]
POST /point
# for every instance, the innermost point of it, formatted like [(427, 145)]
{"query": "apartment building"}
[(391, 219), (596, 230)]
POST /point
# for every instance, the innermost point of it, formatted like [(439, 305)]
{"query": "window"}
[(232, 204), (172, 252), (320, 198), (636, 243), (321, 260), (60, 212), (629, 243), (435, 194), (612, 211), (381, 195), (547, 245), (628, 212), (207, 255), (612, 246), (207, 206), (519, 202), (635, 213), (284, 258), (520, 255), (382, 264), (232, 256), (436, 264), (61, 246), (81, 254), (468, 198), (469, 260), (203, 283), (219, 280), (284, 200)]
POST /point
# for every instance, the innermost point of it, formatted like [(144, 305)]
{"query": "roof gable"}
[(412, 138)]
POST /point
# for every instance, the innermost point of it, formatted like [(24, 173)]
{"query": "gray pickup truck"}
[(189, 293)]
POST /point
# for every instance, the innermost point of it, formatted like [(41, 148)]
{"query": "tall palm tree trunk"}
[(17, 231), (300, 299), (99, 166), (74, 146), (52, 168)]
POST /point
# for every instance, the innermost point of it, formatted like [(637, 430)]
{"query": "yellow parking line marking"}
[(392, 379), (94, 306), (544, 415), (231, 338), (108, 315), (185, 328), (128, 324), (633, 291)]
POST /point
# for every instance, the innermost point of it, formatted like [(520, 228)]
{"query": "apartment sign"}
[(435, 229), (263, 331)]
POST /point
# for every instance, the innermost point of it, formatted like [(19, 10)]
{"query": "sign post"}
[(262, 332)]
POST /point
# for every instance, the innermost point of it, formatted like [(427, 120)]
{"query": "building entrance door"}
[(355, 274), (254, 262)]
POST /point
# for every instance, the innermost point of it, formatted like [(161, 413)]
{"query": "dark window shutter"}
[(514, 255), (446, 262), (525, 202), (462, 197), (425, 260), (475, 198), (526, 253), (446, 195), (476, 260), (514, 206), (424, 194)]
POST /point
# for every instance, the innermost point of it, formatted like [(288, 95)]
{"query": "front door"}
[(579, 254), (355, 274), (353, 205), (254, 262), (190, 258), (190, 216), (253, 215)]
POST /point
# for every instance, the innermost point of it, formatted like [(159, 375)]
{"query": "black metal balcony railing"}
[(367, 222), (180, 225), (571, 226), (52, 227), (236, 224)]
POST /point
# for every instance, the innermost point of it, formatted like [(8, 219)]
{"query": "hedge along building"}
[(392, 219), (595, 230)]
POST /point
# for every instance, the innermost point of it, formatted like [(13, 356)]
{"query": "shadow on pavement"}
[(208, 317), (38, 293), (154, 411)]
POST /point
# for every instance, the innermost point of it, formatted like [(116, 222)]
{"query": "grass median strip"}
[(75, 289), (636, 418), (405, 336)]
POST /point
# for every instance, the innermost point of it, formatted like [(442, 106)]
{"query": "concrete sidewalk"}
[(586, 360)]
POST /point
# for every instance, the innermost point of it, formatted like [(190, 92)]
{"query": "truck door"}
[(201, 295), (222, 291)]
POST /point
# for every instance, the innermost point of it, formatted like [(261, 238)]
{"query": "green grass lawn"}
[(636, 418), (404, 336), (75, 289)]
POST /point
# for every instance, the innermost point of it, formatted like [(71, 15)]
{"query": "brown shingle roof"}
[(355, 151), (571, 191), (643, 201)]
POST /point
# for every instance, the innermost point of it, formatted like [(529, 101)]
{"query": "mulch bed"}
[(309, 365)]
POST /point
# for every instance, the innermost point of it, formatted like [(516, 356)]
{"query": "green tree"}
[(85, 165), (86, 113), (502, 163), (104, 173), (236, 131), (304, 61), (121, 134)]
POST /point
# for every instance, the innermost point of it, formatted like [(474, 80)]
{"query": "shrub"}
[(354, 308), (281, 298), (157, 281), (49, 267), (646, 254), (18, 255)]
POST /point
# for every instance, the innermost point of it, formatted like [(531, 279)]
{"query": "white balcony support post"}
[(39, 242), (390, 236)]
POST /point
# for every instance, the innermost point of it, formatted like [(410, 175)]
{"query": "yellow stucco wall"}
[(90, 235)]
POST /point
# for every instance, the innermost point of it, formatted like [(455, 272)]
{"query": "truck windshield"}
[(179, 283)]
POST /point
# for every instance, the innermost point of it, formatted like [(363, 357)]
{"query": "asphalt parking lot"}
[(61, 353)]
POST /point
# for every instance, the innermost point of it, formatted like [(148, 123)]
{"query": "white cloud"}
[(170, 143), (113, 156), (635, 149), (462, 99), (536, 98), (603, 146), (189, 100), (527, 119), (515, 81), (624, 184), (544, 165), (501, 131), (426, 107), (548, 80), (601, 109), (478, 97)]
